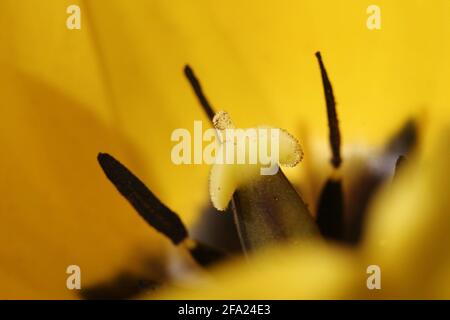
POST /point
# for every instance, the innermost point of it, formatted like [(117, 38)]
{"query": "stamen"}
[(205, 255), (153, 211), (333, 123), (330, 212), (196, 86)]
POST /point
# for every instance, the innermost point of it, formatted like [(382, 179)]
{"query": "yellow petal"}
[(408, 234), (57, 207), (299, 272)]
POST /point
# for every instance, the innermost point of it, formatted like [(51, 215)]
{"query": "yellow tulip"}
[(116, 86)]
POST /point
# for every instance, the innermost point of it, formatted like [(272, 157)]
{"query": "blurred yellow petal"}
[(35, 41), (295, 272), (57, 208), (409, 233)]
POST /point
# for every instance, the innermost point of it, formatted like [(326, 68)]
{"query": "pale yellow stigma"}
[(247, 154)]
